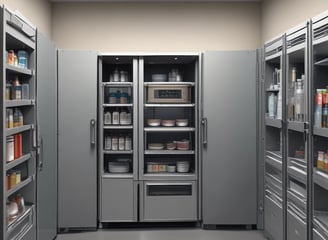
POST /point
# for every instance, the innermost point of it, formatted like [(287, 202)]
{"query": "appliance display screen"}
[(177, 94)]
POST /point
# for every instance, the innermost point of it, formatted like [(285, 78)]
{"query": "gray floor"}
[(164, 234)]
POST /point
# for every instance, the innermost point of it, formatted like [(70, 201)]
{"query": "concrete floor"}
[(164, 234)]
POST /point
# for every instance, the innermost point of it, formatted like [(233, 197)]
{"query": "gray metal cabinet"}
[(229, 182), (47, 131), (77, 153), (169, 201), (119, 200), (296, 226), (272, 218)]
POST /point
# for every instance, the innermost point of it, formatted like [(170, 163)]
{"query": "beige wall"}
[(156, 26), (38, 12), (280, 15)]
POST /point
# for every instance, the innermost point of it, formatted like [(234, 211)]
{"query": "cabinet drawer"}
[(273, 220), (296, 227), (22, 225), (169, 201), (118, 200)]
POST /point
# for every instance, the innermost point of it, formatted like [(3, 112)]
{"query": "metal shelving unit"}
[(319, 139), (18, 35)]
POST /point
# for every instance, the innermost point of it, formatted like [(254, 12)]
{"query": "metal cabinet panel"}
[(273, 221), (229, 138), (118, 197), (77, 158), (47, 131), (317, 235), (296, 227), (169, 201)]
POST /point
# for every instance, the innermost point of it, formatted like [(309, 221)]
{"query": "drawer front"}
[(169, 201), (273, 220), (296, 227), (23, 226), (117, 200)]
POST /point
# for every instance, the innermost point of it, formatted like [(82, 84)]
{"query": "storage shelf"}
[(320, 178), (12, 131), (169, 129), (296, 126), (272, 90), (169, 176), (170, 105), (117, 84), (323, 132), (276, 163), (117, 175), (17, 161), (297, 174), (28, 211), (277, 123), (118, 127), (19, 103), (323, 62), (169, 152), (321, 217), (19, 186), (19, 70), (20, 37), (169, 83), (296, 198), (117, 105), (117, 152)]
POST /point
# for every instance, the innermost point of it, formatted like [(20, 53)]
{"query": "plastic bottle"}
[(107, 118), (17, 89), (271, 105), (299, 101), (128, 143), (318, 109), (121, 143)]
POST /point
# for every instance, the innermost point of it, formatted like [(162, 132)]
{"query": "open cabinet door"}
[(47, 139), (229, 169)]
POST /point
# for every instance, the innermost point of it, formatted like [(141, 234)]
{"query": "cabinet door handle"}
[(204, 124), (93, 132), (40, 155)]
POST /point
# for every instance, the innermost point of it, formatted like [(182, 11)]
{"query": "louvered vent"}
[(296, 41), (320, 32)]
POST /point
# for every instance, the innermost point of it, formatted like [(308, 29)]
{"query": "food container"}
[(171, 168), (183, 166), (168, 123), (181, 122), (118, 167), (12, 211), (171, 146), (155, 146), (153, 167), (154, 122), (22, 58), (182, 145), (159, 78)]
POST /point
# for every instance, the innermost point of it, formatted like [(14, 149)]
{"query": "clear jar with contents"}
[(121, 145), (8, 91), (112, 98), (123, 118), (12, 180), (108, 142), (128, 143), (114, 143), (320, 160), (123, 98), (18, 177), (116, 118), (107, 118)]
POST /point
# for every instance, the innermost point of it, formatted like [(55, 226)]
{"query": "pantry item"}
[(116, 76), (121, 143), (20, 203), (116, 118), (16, 89), (183, 166), (182, 145), (123, 76), (181, 122), (12, 211), (320, 160), (118, 167), (171, 146), (154, 122), (171, 168), (155, 146), (25, 91), (108, 142), (10, 148), (107, 118), (22, 58), (114, 143), (168, 123), (158, 78), (8, 91), (128, 143)]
